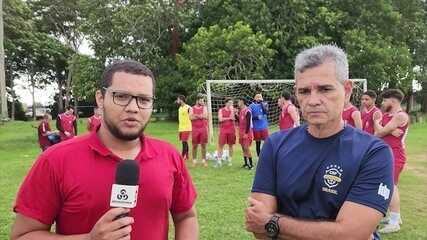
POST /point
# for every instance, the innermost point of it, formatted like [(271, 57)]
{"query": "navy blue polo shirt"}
[(312, 177)]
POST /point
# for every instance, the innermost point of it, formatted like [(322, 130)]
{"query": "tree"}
[(146, 31), (18, 39), (87, 72), (235, 52), (62, 19), (45, 62), (39, 56), (3, 98), (375, 34)]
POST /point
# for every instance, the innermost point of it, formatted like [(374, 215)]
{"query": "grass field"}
[(222, 192)]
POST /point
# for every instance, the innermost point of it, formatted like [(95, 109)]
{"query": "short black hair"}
[(243, 99), (286, 95), (393, 93), (371, 93), (227, 99), (127, 66), (200, 96), (181, 97), (69, 107)]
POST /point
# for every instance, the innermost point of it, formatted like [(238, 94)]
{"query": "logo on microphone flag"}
[(124, 196)]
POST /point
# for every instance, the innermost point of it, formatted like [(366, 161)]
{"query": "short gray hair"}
[(320, 54)]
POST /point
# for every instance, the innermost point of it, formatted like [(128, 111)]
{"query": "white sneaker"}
[(386, 220), (390, 228), (229, 162)]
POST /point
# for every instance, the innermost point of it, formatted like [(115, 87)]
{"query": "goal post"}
[(271, 89)]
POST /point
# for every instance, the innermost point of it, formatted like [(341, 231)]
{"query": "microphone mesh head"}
[(127, 172)]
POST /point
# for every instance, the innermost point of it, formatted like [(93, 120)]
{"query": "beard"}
[(116, 132)]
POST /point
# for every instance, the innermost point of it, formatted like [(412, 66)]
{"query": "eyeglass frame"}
[(114, 92)]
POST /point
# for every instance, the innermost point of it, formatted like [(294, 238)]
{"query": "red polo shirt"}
[(43, 128), (70, 184)]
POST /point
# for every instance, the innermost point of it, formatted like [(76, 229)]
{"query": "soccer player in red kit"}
[(43, 132), (351, 115), (94, 121), (227, 132), (199, 125), (246, 135), (289, 117), (393, 120), (66, 123), (368, 109)]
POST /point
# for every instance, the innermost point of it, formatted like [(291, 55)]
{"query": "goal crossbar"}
[(252, 81)]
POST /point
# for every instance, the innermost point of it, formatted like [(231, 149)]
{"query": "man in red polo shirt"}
[(246, 135), (44, 131), (392, 127), (227, 131), (289, 117), (94, 121), (199, 127), (66, 123), (70, 183), (368, 111), (351, 115)]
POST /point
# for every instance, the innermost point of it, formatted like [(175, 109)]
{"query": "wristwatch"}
[(272, 227)]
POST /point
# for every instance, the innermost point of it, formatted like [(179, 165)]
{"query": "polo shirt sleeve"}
[(184, 193), (373, 186), (265, 176), (39, 196)]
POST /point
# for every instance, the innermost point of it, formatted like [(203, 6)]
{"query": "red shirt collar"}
[(148, 151)]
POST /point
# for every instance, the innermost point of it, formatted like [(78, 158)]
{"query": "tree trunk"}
[(12, 92), (409, 100), (14, 99), (67, 89), (3, 98), (60, 95), (175, 42), (68, 82), (33, 88), (12, 110), (76, 109), (424, 97)]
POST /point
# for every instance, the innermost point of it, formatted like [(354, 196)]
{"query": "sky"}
[(43, 96)]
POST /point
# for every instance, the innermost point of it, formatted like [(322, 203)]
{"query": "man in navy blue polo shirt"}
[(324, 179)]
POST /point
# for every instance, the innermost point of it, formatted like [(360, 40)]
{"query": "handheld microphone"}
[(124, 193)]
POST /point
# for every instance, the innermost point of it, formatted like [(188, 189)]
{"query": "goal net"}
[(218, 90)]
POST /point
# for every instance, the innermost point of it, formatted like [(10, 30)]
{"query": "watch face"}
[(272, 229)]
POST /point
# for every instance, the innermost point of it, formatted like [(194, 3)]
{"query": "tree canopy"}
[(187, 42)]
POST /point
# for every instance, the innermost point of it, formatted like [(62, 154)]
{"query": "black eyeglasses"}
[(123, 99)]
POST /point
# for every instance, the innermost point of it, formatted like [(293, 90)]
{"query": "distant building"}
[(40, 111)]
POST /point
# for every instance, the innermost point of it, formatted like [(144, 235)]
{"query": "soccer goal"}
[(218, 90)]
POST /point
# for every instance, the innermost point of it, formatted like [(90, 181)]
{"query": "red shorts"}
[(397, 170), (260, 134), (199, 136), (246, 142), (184, 136), (226, 138)]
